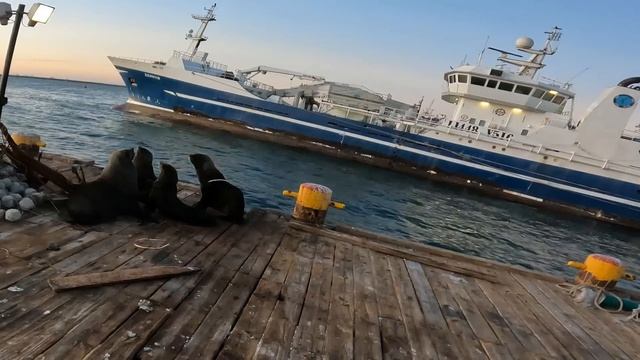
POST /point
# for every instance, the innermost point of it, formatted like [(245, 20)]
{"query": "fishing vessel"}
[(512, 133)]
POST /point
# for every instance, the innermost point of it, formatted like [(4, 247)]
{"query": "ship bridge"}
[(505, 88)]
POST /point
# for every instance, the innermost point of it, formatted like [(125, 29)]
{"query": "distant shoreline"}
[(71, 80)]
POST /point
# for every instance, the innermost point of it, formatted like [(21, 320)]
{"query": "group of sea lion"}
[(128, 187)]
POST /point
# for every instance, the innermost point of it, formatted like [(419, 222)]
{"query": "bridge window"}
[(452, 78), (481, 123), (472, 121), (462, 78), (558, 99), (524, 132), (478, 81), (506, 86), (492, 83), (548, 96), (524, 90), (538, 93)]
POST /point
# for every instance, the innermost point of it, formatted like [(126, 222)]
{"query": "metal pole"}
[(17, 21)]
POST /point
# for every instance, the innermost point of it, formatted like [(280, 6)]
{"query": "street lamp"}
[(39, 13)]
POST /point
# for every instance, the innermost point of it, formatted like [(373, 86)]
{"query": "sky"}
[(400, 47)]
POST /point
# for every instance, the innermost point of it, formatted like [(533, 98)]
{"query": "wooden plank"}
[(608, 340), (624, 336), (395, 341), (535, 328), (209, 337), (458, 265), (496, 321), (36, 290), (92, 330), (413, 319), (243, 340), (310, 335), (130, 337), (594, 347), (366, 342), (453, 314), (191, 312), (429, 251), (118, 276), (276, 339), (474, 317), (107, 337), (37, 334), (446, 345), (339, 344)]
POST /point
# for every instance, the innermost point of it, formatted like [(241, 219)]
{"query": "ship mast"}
[(199, 37), (530, 67)]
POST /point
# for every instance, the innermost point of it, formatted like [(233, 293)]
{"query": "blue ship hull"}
[(607, 197)]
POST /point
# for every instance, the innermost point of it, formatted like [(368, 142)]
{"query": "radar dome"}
[(524, 43)]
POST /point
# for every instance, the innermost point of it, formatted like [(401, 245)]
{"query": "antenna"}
[(504, 52), (578, 74), (484, 48)]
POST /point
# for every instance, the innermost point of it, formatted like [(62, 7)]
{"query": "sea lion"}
[(164, 196), (112, 194), (217, 193), (143, 162)]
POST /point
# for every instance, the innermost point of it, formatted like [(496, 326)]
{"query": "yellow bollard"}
[(312, 203), (600, 270)]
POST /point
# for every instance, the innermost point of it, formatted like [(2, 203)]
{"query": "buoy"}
[(12, 215), (29, 143), (601, 271), (312, 203)]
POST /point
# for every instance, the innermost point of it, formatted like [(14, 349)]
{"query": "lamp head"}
[(5, 13), (39, 13)]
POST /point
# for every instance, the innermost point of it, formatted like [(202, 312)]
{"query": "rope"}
[(138, 244), (600, 294), (635, 315)]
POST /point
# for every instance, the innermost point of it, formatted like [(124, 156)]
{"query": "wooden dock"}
[(274, 288)]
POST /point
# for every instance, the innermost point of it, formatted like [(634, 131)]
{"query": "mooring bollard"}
[(312, 203)]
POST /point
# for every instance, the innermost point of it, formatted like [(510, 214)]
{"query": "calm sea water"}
[(78, 119)]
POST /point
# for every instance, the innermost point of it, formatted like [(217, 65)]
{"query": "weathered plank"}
[(248, 330), (395, 341), (414, 322), (453, 314), (339, 343), (594, 347), (276, 339), (118, 276), (310, 335), (366, 336), (445, 344)]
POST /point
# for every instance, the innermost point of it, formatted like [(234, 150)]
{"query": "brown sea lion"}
[(114, 193), (143, 162), (164, 196), (217, 193)]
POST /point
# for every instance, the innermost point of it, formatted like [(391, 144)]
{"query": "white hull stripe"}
[(416, 151), (129, 101)]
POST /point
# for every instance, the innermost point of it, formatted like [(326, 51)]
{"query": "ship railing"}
[(143, 60), (552, 154), (200, 58), (248, 83)]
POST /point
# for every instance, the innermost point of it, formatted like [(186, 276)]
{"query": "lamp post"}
[(39, 13)]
